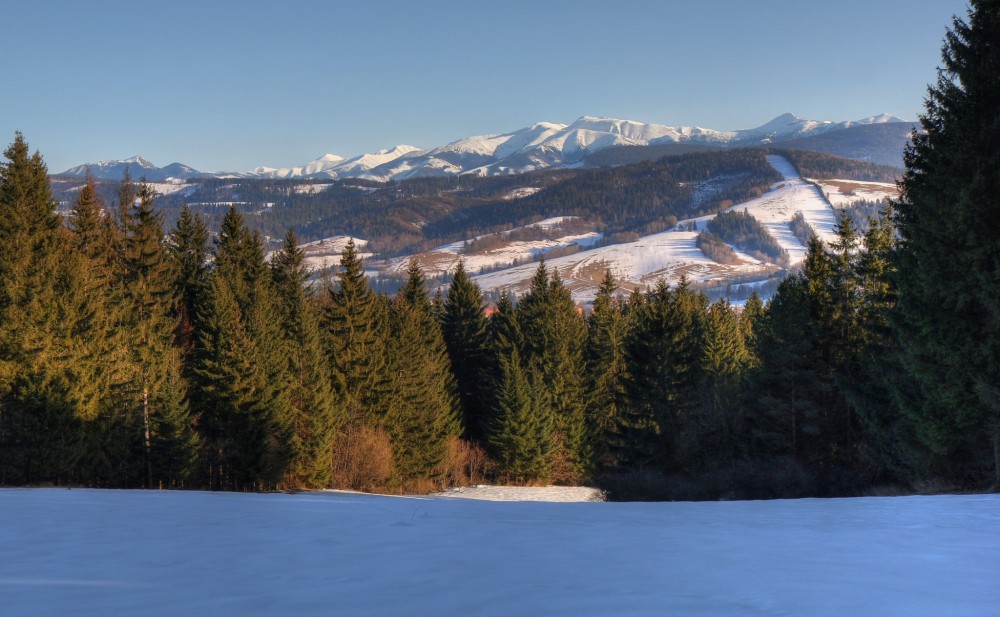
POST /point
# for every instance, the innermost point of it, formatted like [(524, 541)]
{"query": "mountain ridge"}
[(539, 146)]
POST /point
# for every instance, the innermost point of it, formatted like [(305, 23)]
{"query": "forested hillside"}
[(410, 216)]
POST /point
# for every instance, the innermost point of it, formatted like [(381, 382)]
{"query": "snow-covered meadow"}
[(101, 553)]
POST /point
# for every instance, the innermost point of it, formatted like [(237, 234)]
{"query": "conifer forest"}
[(134, 355)]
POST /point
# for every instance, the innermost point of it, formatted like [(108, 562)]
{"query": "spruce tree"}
[(189, 251), (605, 365), (236, 422), (356, 323), (249, 423), (150, 320), (948, 318), (315, 415), (425, 405), (38, 427), (663, 355), (464, 327), (785, 418), (718, 424), (503, 337), (521, 433), (553, 344)]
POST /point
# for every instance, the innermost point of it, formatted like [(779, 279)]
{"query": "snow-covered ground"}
[(445, 258), (672, 254), (552, 494), (141, 553), (322, 254), (311, 189), (845, 192)]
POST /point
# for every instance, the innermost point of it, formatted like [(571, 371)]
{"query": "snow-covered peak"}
[(538, 146), (360, 165), (879, 119), (321, 164), (136, 161)]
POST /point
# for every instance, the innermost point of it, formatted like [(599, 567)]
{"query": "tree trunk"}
[(145, 420)]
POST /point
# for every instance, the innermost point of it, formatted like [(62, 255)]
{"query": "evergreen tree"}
[(554, 339), (520, 435), (948, 318), (248, 423), (189, 251), (464, 326), (315, 415), (235, 420), (425, 409), (150, 321), (786, 416), (663, 359), (38, 427), (356, 322), (503, 337), (718, 425), (605, 364)]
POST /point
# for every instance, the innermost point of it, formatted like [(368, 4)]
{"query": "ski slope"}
[(672, 254), (92, 553)]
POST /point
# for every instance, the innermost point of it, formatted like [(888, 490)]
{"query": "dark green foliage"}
[(356, 323), (663, 362), (521, 432), (189, 250), (424, 412), (948, 319), (824, 166), (464, 327), (716, 249), (743, 231), (801, 229), (714, 434), (554, 336), (243, 366), (606, 371), (125, 361), (149, 310), (788, 412), (38, 377), (315, 416)]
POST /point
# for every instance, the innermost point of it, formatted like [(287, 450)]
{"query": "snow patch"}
[(553, 494)]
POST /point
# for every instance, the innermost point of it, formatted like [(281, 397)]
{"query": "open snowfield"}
[(106, 553), (843, 193), (445, 258)]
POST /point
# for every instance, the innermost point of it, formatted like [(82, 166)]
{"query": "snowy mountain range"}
[(540, 146)]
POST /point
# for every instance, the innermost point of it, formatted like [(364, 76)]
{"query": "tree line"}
[(138, 357)]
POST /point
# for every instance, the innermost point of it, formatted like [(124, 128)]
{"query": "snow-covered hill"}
[(672, 254), (539, 146), (94, 553)]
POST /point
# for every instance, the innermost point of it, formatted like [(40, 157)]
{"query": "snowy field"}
[(107, 553), (445, 258), (842, 193)]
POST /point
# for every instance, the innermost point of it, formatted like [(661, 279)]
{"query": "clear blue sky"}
[(231, 85)]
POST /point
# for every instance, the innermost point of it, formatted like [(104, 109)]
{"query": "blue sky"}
[(231, 85)]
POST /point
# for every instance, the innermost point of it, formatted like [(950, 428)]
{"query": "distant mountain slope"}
[(547, 145), (878, 143), (138, 167)]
